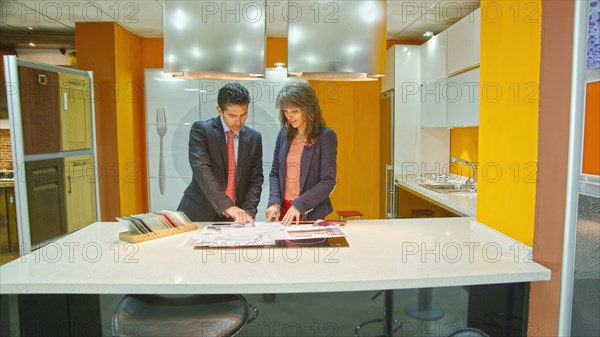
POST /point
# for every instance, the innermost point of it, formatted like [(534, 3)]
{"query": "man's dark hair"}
[(232, 93)]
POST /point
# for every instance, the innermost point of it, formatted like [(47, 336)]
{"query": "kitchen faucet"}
[(466, 162)]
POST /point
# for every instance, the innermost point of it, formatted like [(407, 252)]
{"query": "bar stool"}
[(468, 332), (342, 215), (195, 315), (421, 213), (390, 325)]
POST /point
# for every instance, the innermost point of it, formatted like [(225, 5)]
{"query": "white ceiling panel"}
[(406, 19)]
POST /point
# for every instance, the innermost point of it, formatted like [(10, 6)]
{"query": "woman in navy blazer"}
[(303, 174)]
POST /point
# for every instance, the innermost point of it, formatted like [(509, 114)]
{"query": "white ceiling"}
[(406, 20)]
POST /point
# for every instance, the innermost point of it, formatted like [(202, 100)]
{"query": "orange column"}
[(114, 54)]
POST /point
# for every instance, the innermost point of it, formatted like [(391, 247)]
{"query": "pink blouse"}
[(292, 172)]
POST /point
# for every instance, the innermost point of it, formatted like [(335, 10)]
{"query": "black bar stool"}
[(195, 315)]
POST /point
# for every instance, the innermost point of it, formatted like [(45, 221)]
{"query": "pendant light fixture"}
[(223, 40), (336, 40)]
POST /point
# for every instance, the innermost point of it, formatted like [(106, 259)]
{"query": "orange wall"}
[(591, 139), (508, 127), (152, 53), (95, 51), (351, 109), (464, 143), (276, 51), (119, 114), (131, 122)]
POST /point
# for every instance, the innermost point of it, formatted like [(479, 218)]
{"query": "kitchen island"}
[(382, 255)]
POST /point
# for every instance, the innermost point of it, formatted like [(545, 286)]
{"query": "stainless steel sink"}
[(449, 188)]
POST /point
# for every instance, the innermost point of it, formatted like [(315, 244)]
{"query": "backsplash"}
[(5, 151), (464, 143)]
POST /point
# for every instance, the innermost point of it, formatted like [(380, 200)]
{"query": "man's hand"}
[(239, 215), (292, 214), (273, 212)]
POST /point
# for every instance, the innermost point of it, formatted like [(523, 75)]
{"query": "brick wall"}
[(5, 152)]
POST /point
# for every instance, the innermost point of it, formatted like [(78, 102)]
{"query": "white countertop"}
[(383, 254), (462, 203)]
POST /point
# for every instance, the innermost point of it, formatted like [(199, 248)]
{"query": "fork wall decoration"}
[(172, 106)]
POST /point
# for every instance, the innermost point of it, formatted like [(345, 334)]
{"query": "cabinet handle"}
[(69, 178), (77, 83), (42, 80), (65, 101)]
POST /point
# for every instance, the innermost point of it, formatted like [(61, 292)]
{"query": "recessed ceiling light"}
[(428, 34), (32, 44)]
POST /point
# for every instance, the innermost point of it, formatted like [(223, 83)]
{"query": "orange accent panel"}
[(152, 53), (276, 51), (464, 143), (591, 133), (390, 43)]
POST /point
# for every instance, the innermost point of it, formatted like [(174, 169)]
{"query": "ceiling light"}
[(32, 44), (30, 28), (428, 34)]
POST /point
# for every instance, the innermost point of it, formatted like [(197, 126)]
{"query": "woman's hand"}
[(293, 214), (273, 212)]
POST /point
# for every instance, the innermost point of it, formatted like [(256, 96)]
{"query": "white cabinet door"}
[(433, 58), (462, 95), (433, 105), (464, 42)]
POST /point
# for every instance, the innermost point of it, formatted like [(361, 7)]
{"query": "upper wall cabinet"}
[(433, 58), (462, 97), (464, 42), (75, 116)]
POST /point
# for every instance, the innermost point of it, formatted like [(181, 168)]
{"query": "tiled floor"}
[(337, 314)]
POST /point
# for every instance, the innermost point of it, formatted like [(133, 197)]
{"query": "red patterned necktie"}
[(230, 190)]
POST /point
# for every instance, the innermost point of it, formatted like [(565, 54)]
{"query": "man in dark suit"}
[(224, 188)]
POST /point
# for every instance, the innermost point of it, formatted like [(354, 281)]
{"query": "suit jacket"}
[(205, 197), (317, 175)]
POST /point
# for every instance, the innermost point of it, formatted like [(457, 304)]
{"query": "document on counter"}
[(263, 234)]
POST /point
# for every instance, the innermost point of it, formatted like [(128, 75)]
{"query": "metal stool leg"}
[(387, 321), (424, 310)]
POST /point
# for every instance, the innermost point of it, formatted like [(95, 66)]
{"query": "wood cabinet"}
[(39, 110), (433, 58), (75, 115), (462, 92), (79, 191), (464, 43), (45, 197), (8, 221)]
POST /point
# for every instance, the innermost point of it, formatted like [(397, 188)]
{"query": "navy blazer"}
[(205, 197), (318, 167)]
